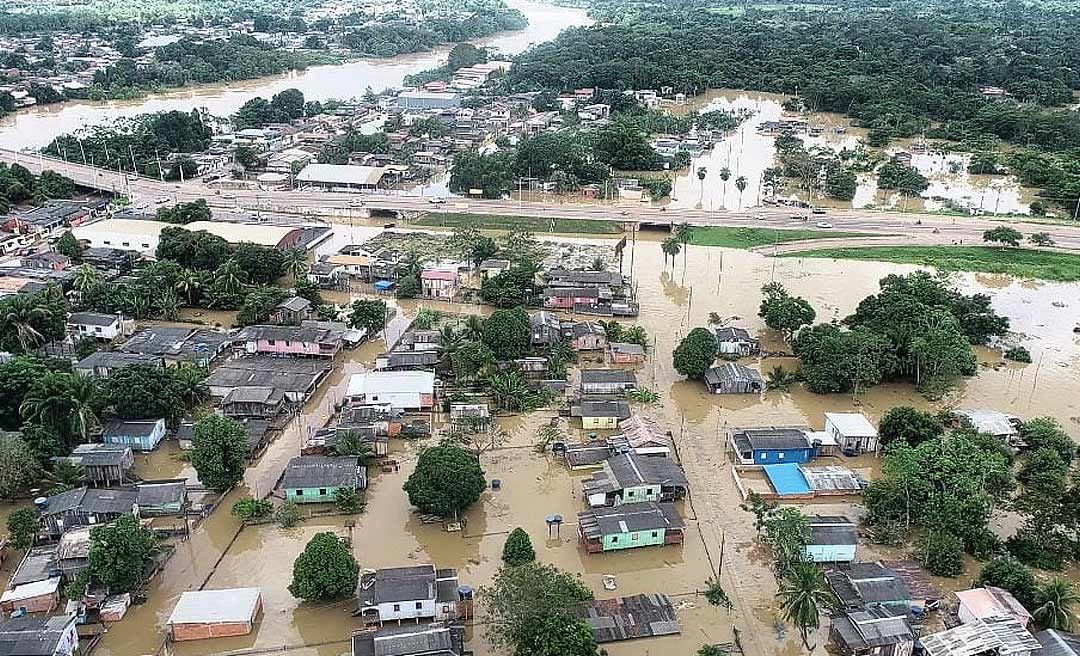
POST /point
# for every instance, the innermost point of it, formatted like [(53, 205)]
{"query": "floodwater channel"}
[(674, 299)]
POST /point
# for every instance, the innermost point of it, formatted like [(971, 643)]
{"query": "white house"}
[(403, 390), (100, 325), (852, 432), (409, 593)]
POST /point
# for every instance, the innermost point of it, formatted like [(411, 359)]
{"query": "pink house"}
[(439, 284), (298, 341), (566, 298)]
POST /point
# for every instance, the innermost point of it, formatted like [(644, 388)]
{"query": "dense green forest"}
[(901, 69)]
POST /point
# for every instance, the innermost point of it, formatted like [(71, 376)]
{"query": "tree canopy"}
[(447, 480), (325, 570)]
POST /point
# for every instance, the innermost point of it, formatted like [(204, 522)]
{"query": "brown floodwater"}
[(747, 153), (674, 299)]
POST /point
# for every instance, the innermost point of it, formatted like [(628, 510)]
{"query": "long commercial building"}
[(143, 235)]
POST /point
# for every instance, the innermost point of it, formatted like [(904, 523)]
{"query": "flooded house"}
[(56, 635), (299, 341), (570, 298), (86, 507), (414, 593), (1000, 635), (735, 341), (100, 364), (73, 551), (644, 437), (316, 479), (626, 353), (607, 381), (407, 361), (1058, 643), (410, 640), (203, 614), (630, 525), (438, 284), (545, 329), (600, 415), (253, 401), (403, 390), (298, 378), (629, 618), (1001, 425), (35, 584), (732, 378), (833, 539), (588, 336), (876, 631), (292, 311), (863, 586), (139, 435), (103, 464), (326, 275), (179, 345), (161, 498), (990, 601), (492, 267), (630, 478), (99, 325), (852, 432), (763, 446)]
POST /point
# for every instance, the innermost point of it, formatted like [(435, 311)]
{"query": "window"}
[(127, 244), (322, 491), (397, 608), (634, 537), (299, 493), (146, 245), (419, 605), (107, 242), (779, 456), (656, 534), (270, 342), (629, 493), (614, 539)]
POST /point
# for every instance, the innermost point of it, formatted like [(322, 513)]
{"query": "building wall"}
[(626, 358), (310, 494), (41, 604), (599, 423), (140, 442), (831, 553), (590, 343), (100, 332), (633, 539), (777, 456), (283, 347), (640, 494), (406, 610), (181, 632)]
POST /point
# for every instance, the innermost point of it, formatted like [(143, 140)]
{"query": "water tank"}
[(41, 502)]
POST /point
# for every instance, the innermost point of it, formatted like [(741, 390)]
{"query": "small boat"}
[(609, 582)]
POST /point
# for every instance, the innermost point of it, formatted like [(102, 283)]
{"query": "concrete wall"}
[(310, 495), (633, 539)]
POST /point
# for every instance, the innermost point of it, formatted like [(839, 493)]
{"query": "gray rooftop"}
[(608, 376), (32, 636), (37, 565), (730, 372), (131, 428), (1058, 643), (868, 629), (116, 360), (772, 439), (631, 470), (733, 334), (92, 500), (861, 584), (627, 618), (323, 471), (416, 583), (408, 640), (617, 409), (629, 518), (93, 319)]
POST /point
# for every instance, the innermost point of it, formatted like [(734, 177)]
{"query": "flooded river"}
[(35, 128), (747, 153), (674, 299)]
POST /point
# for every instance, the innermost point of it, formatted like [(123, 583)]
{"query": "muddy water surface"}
[(674, 299)]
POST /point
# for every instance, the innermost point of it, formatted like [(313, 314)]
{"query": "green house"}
[(630, 525), (316, 479)]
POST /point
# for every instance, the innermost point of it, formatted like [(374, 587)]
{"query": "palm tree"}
[(191, 385), (1054, 601), (352, 443), (740, 184), (22, 313), (473, 328), (450, 339), (65, 475), (508, 389), (804, 594), (781, 379), (86, 278), (49, 402), (188, 282), (725, 175), (671, 248), (167, 304), (230, 276), (684, 232), (295, 262), (83, 398), (701, 173)]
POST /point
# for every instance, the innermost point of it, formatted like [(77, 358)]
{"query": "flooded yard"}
[(674, 299)]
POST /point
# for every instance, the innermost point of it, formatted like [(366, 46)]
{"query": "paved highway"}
[(322, 205)]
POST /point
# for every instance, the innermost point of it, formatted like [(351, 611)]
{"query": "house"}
[(46, 260), (861, 586), (36, 597), (607, 381), (253, 401), (588, 336), (833, 539), (1058, 643), (981, 603), (1003, 426), (626, 353), (852, 432), (545, 329), (179, 345), (732, 378), (997, 636), (103, 464), (140, 435), (630, 478), (568, 298), (350, 337), (39, 636), (296, 377), (407, 360), (419, 592), (492, 267), (473, 414), (629, 618), (115, 259), (326, 275), (100, 364), (86, 507), (202, 614), (629, 525), (38, 564), (875, 632), (734, 341), (763, 446), (290, 340), (291, 311), (402, 390), (600, 415), (73, 551), (316, 479), (98, 325), (643, 437), (438, 284), (161, 498), (410, 640)]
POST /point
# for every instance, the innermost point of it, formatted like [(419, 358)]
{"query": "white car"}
[(824, 224), (759, 217), (436, 200)]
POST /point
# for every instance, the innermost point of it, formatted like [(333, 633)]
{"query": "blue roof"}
[(384, 284), (787, 479)]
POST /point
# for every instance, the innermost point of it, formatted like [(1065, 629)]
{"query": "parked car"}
[(824, 224)]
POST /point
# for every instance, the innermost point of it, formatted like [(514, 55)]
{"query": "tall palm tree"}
[(189, 282), (191, 385), (740, 184), (352, 443), (230, 276), (725, 175), (473, 328), (804, 594), (1054, 602), (65, 475), (671, 249), (23, 312), (86, 278), (684, 232), (295, 261), (83, 396)]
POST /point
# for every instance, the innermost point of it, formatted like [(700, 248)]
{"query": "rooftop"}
[(216, 606), (851, 424), (341, 174), (629, 518), (626, 618), (93, 319), (774, 439), (323, 471), (32, 636)]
